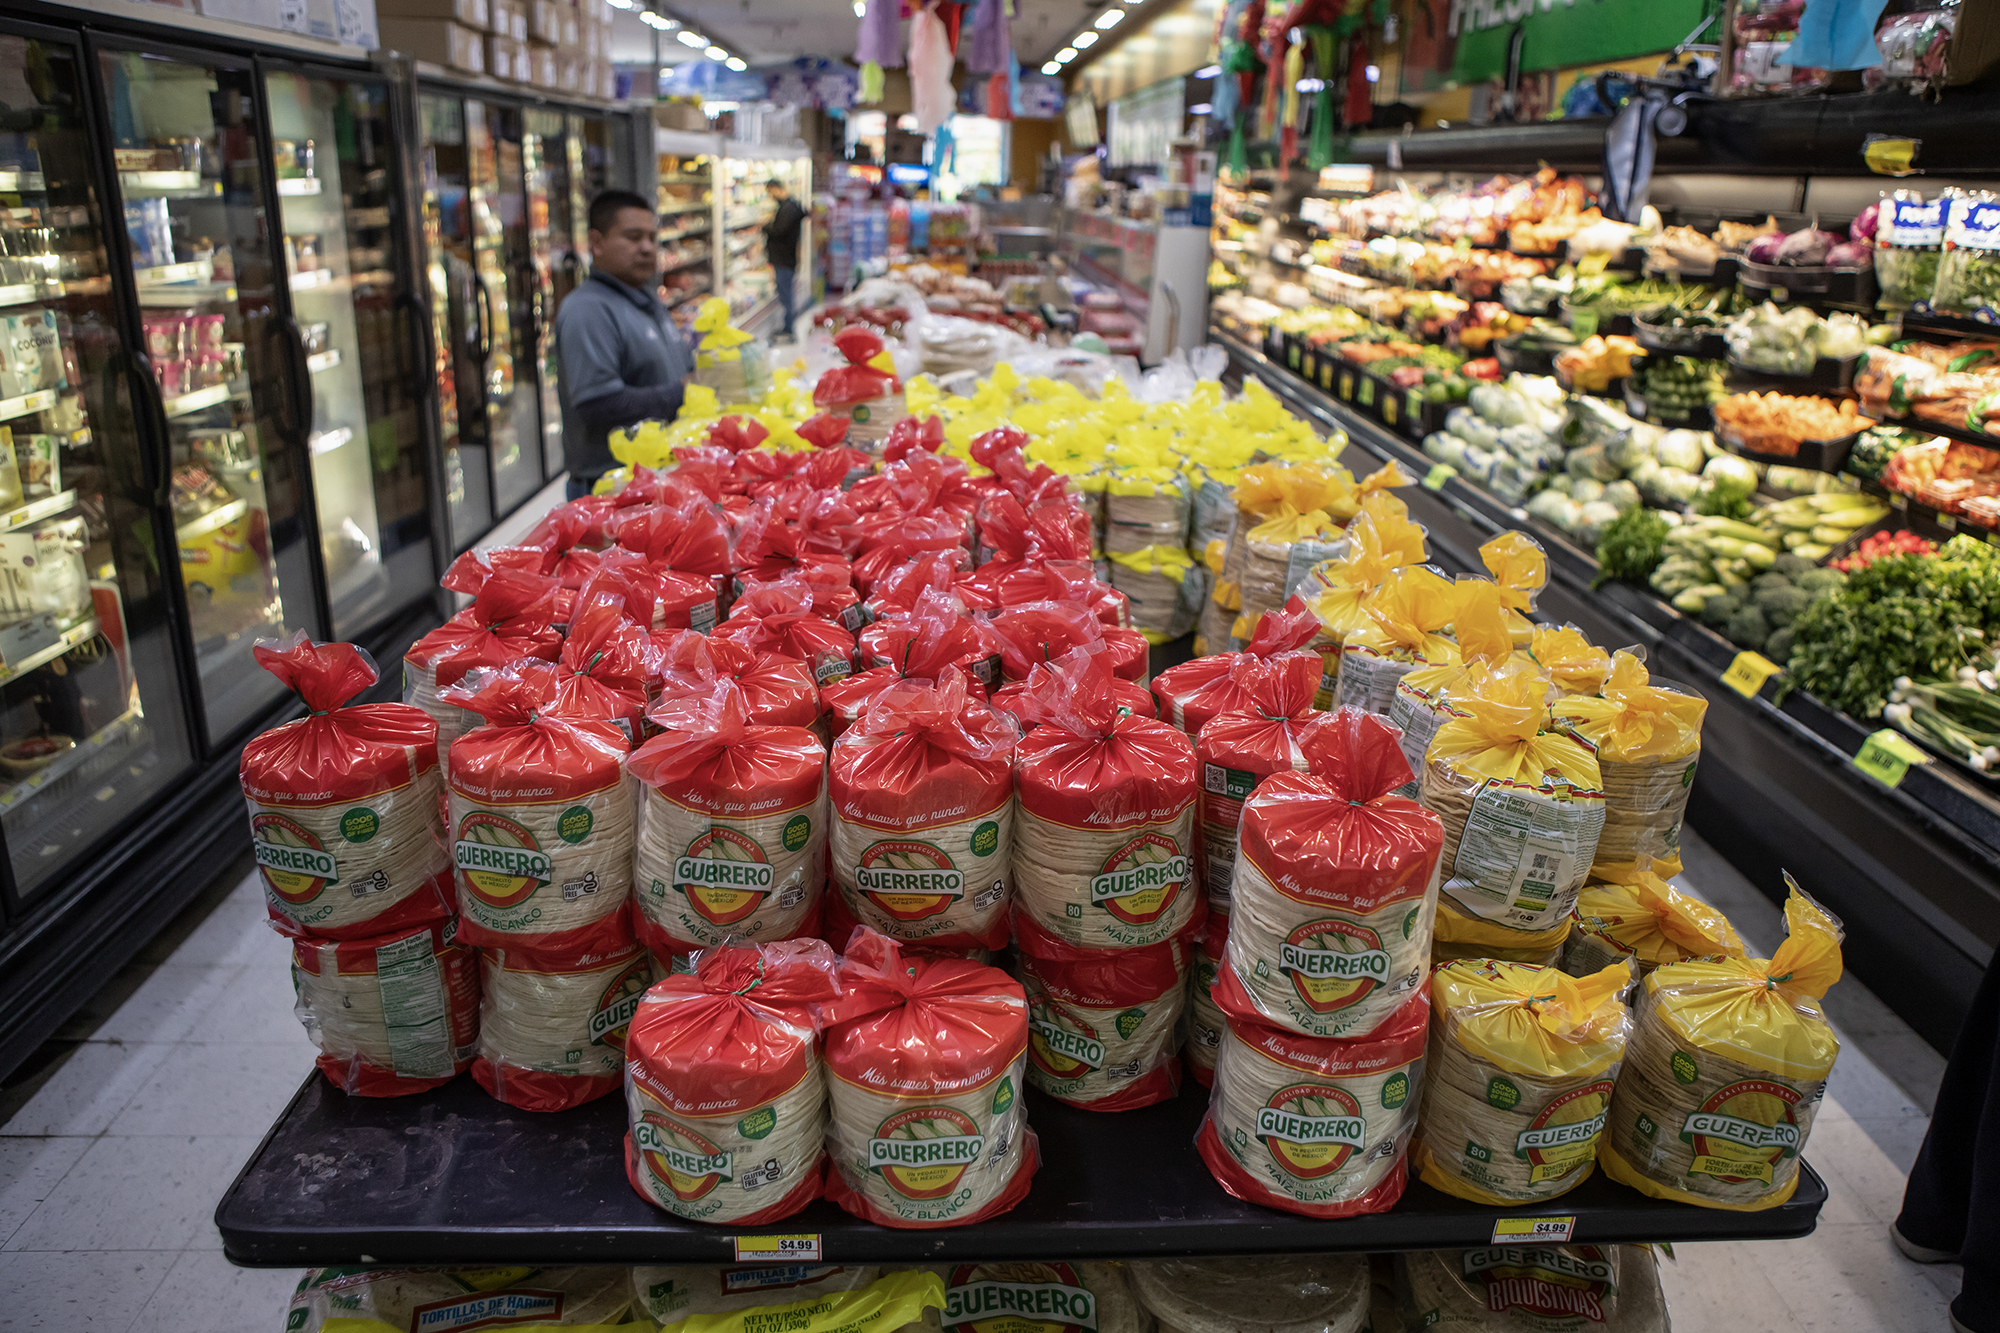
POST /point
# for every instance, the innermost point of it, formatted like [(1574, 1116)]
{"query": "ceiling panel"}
[(771, 31)]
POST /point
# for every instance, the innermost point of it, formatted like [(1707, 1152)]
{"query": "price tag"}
[(1545, 1230), (1439, 474), (1413, 405), (1887, 756), (1890, 156), (1392, 409), (1583, 323), (1592, 264), (1326, 375), (1899, 501), (1347, 385), (762, 1249), (1365, 392), (1747, 674), (1949, 522)]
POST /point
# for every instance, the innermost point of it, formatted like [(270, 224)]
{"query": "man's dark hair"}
[(774, 184), (606, 207)]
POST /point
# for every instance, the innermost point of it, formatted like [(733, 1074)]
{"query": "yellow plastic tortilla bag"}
[(1377, 541), (1520, 1071), (1522, 807), (1421, 703), (1456, 935), (1574, 664), (1407, 617), (1726, 1069), (1648, 742), (1278, 554), (1520, 566), (1641, 917)]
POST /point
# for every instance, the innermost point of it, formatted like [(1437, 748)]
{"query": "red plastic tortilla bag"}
[(1135, 699), (726, 1103), (1037, 632), (553, 1027), (657, 598), (1321, 1128), (1245, 744), (415, 1033), (1103, 854), (899, 589), (932, 640), (1194, 691), (606, 663), (1335, 890), (344, 802), (1103, 1025), (691, 536), (890, 539), (925, 1059), (733, 829), (511, 617), (780, 619), (779, 690), (574, 534), (868, 373), (541, 822), (923, 813)]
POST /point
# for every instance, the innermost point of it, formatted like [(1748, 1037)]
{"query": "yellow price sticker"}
[(1592, 264), (1439, 474), (1747, 674), (756, 1249), (1887, 756), (1544, 1230)]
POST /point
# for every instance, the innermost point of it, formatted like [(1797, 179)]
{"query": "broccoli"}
[(1747, 628), (1781, 605), (1820, 582), (1715, 613), (1792, 566), (1779, 646), (1770, 578)]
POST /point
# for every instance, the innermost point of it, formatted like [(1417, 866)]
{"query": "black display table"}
[(454, 1177)]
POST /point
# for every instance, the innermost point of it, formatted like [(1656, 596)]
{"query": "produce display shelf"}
[(1914, 870), (451, 1176)]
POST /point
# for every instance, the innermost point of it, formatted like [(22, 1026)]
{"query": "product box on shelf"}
[(507, 58), (439, 41), (544, 24), (471, 13), (542, 67), (510, 19)]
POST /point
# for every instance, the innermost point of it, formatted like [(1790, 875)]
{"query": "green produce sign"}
[(1561, 33)]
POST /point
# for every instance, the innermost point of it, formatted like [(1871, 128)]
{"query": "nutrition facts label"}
[(1526, 853), (413, 1007)]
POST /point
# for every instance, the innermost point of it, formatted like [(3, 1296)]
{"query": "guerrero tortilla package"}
[(552, 1028), (1240, 747), (1534, 1289), (1104, 1025), (606, 663), (1192, 692), (344, 802), (1329, 932), (1206, 1021), (1522, 807), (1325, 1293), (1423, 700), (656, 597), (1311, 1126), (926, 1058), (1573, 663), (922, 788), (725, 1092), (370, 1300), (779, 618), (779, 691), (1638, 915), (1103, 851), (733, 825), (1377, 542), (802, 1298), (541, 822), (1037, 632), (1726, 1070), (1521, 1065), (1034, 1296), (1407, 616), (1648, 741), (509, 619), (391, 1015)]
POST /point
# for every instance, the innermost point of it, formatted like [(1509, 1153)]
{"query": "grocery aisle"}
[(113, 1154)]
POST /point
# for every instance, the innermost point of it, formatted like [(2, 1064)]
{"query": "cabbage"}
[(1541, 390), (1842, 336), (1444, 448), (1739, 470), (1556, 509), (1680, 449), (1583, 490), (1498, 406), (1591, 462), (1513, 479), (1461, 422), (1621, 495), (1672, 485), (1631, 449), (1595, 517)]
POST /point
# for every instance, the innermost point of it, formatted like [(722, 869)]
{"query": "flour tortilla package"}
[(1330, 920), (1407, 615), (688, 533), (1522, 806), (541, 822), (1533, 1289), (1240, 747), (552, 1027), (1036, 632), (391, 1015), (725, 1092), (779, 690), (1647, 737), (1637, 915), (1103, 850), (732, 829), (800, 1298), (1309, 1126), (510, 618), (409, 1300), (1103, 1024), (344, 802), (1205, 1019), (1325, 1293), (1521, 1065), (1726, 1071), (922, 789), (926, 1059), (1423, 700), (1194, 691), (1041, 1296)]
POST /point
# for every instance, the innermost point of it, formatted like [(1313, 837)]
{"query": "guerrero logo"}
[(1547, 1282), (619, 1004), (1061, 1044), (499, 861), (923, 1153), (909, 880), (1564, 1136), (1334, 964), (1312, 1129), (1142, 880), (680, 1159), (1743, 1131), (1021, 1297), (296, 867), (723, 875)]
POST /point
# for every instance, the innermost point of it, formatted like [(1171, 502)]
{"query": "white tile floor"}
[(113, 1155)]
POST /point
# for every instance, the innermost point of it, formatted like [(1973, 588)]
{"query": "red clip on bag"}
[(344, 802), (726, 1103), (1194, 691), (926, 1058)]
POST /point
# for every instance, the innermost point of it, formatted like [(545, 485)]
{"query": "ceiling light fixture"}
[(716, 53), (621, 4), (1110, 18), (1208, 71), (693, 39), (860, 8), (1200, 109), (1083, 39), (1051, 67), (1373, 73), (1067, 54), (668, 25)]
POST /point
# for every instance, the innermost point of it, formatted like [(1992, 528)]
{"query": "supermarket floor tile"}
[(62, 1293), (137, 1193), (229, 1299), (29, 1170)]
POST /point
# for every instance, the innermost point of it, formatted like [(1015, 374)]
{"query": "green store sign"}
[(1561, 33)]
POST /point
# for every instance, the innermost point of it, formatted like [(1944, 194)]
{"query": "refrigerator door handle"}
[(301, 386), (144, 387), (419, 329), (483, 306)]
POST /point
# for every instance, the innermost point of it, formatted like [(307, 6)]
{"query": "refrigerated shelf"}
[(328, 440), (197, 400), (30, 293), (213, 519), (40, 401), (80, 633), (198, 270), (22, 515), (22, 182), (311, 278), (111, 733), (296, 185), (168, 184), (186, 293)]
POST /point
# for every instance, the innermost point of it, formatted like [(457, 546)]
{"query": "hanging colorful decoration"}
[(990, 51), (878, 45), (931, 98), (1239, 63), (1288, 137)]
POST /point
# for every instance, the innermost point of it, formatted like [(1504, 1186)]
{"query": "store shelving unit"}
[(747, 281), (689, 206)]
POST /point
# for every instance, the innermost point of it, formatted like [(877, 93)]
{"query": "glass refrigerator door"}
[(551, 271), (500, 253), (458, 326), (334, 162), (190, 175), (91, 725)]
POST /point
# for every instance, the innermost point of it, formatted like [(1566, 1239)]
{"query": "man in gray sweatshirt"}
[(623, 361)]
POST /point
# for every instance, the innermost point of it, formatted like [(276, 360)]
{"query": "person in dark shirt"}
[(622, 359), (781, 247)]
